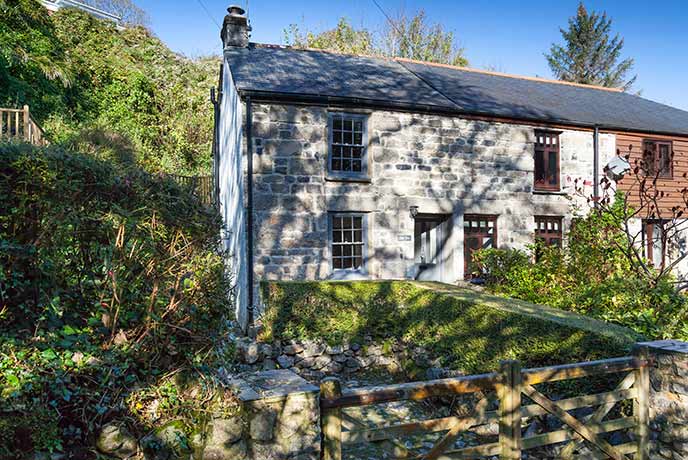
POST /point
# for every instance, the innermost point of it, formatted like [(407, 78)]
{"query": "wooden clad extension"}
[(627, 142)]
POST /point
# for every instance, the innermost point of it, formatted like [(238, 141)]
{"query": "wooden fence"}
[(17, 124), (202, 186), (509, 386)]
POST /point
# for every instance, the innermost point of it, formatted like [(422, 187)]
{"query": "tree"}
[(415, 38), (590, 54), (412, 38), (342, 39), (125, 9)]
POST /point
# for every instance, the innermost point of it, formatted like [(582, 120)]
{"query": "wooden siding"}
[(670, 186)]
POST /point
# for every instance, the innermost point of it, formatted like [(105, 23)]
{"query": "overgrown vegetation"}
[(88, 82), (403, 36), (469, 332), (592, 275), (112, 297)]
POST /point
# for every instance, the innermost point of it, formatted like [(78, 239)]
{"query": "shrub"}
[(592, 275), (109, 284)]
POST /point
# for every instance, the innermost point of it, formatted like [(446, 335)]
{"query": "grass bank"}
[(469, 331)]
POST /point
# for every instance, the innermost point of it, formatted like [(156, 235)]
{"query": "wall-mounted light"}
[(414, 211)]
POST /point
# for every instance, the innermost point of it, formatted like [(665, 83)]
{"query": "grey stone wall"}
[(669, 399), (278, 419), (443, 165)]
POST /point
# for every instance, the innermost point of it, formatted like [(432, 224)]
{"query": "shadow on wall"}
[(293, 197)]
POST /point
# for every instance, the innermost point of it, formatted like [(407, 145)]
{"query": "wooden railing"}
[(508, 387), (202, 186), (17, 124)]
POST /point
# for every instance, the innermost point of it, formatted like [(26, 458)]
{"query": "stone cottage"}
[(334, 166)]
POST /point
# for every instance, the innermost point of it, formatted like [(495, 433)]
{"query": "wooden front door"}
[(479, 232)]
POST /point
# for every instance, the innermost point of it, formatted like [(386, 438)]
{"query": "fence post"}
[(641, 405), (510, 410), (27, 124), (331, 388)]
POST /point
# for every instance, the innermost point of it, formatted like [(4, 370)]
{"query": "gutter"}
[(249, 207)]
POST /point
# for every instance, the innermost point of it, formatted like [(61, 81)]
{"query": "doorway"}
[(479, 232), (431, 256)]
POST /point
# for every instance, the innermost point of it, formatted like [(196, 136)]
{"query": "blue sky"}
[(510, 36)]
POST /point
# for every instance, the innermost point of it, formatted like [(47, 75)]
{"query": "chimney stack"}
[(235, 29)]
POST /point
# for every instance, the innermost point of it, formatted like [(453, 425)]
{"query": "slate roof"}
[(308, 74)]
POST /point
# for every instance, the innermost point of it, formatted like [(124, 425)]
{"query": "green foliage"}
[(415, 38), (590, 54), (342, 39), (80, 74), (110, 285), (592, 275), (33, 65), (412, 38), (470, 333)]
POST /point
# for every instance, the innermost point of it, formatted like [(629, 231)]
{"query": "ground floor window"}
[(548, 230), (479, 232), (347, 233), (654, 241)]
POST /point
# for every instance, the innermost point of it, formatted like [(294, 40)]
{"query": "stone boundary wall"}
[(279, 418), (668, 399), (314, 360)]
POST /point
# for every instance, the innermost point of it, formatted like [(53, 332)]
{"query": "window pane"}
[(348, 236), (348, 125), (358, 236), (346, 152), (348, 138), (347, 251), (337, 137), (356, 152), (337, 123), (336, 250), (356, 165), (347, 263), (336, 222), (358, 126), (346, 165), (665, 159), (358, 222), (552, 169), (358, 138), (336, 151), (336, 165), (358, 262), (337, 263), (337, 236), (358, 250), (539, 166)]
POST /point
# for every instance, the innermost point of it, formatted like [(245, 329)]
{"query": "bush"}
[(110, 286), (592, 276), (468, 331)]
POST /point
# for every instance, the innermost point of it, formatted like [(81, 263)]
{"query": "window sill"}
[(549, 192), (336, 178), (348, 275)]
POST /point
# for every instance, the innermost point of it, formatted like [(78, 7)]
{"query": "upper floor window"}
[(348, 241), (348, 138), (658, 158), (547, 161)]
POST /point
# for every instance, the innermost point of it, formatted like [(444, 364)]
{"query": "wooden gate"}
[(18, 125), (506, 389)]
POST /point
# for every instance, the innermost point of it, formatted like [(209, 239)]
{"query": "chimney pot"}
[(235, 29)]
